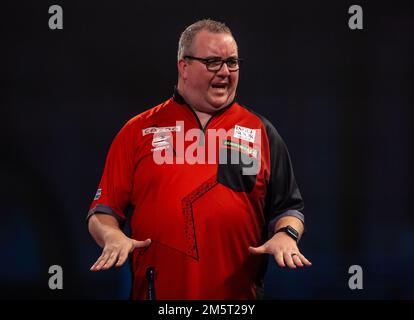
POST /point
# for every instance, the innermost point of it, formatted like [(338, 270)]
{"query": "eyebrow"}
[(220, 58), (213, 57)]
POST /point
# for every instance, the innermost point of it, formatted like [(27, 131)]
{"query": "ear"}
[(182, 68)]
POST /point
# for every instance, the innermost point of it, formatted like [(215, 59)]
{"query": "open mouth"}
[(219, 85)]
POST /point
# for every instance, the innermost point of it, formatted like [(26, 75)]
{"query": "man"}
[(198, 227)]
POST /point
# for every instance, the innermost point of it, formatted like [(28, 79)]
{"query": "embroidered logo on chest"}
[(162, 136), (244, 133), (155, 130)]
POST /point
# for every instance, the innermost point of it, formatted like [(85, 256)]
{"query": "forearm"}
[(101, 225), (292, 221)]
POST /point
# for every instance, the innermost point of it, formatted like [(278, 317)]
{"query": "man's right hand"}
[(116, 245), (116, 250)]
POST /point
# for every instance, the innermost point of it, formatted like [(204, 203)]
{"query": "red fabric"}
[(200, 229)]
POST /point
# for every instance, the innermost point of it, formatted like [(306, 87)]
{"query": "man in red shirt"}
[(206, 178)]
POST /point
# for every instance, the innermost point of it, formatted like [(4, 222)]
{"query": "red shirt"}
[(201, 217)]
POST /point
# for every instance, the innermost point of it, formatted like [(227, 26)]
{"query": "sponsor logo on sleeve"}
[(98, 194)]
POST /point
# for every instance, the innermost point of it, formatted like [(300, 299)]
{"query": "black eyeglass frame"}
[(206, 62)]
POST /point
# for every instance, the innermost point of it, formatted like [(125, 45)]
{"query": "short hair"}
[(187, 37)]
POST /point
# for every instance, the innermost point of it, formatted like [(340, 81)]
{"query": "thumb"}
[(141, 244), (258, 250)]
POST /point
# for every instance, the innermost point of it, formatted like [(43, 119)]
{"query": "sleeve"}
[(115, 188), (283, 197)]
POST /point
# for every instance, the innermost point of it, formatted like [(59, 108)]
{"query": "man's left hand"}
[(284, 249)]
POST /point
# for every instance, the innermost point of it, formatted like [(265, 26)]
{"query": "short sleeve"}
[(115, 187), (283, 197)]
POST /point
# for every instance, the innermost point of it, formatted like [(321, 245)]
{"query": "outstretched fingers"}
[(102, 260), (304, 261), (116, 253), (111, 260)]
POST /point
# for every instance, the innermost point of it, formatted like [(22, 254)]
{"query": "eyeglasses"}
[(215, 64)]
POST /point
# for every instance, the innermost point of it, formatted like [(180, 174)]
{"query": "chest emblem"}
[(244, 133)]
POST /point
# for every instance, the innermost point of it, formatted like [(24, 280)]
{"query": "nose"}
[(224, 71)]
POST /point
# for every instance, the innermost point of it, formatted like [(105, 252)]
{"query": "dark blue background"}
[(341, 99)]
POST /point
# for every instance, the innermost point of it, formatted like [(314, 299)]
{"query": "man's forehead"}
[(214, 42)]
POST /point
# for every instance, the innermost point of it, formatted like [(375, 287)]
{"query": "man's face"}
[(209, 91)]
